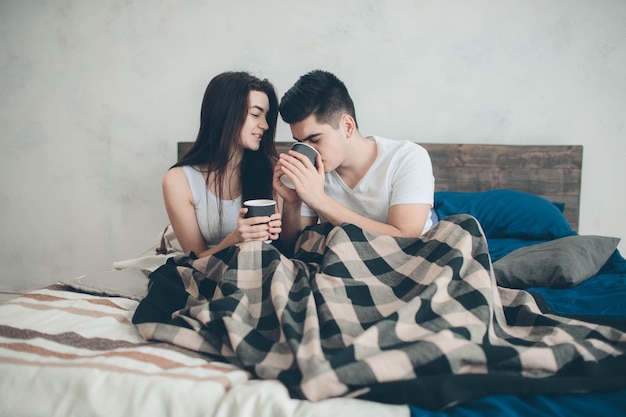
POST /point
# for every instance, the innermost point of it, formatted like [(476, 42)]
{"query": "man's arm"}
[(405, 220), (292, 220), (402, 219)]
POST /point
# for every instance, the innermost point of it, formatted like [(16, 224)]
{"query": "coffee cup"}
[(261, 207), (305, 149)]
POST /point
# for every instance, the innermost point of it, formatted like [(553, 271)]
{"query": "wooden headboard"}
[(552, 172)]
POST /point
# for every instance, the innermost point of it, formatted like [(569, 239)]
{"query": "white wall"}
[(94, 95)]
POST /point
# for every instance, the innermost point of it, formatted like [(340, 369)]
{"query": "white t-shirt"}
[(207, 209), (401, 174)]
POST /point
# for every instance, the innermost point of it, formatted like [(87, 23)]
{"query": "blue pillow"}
[(499, 247), (506, 213), (560, 206)]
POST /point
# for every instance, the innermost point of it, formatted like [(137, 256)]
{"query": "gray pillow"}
[(559, 263)]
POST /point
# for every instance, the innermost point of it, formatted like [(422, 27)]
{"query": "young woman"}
[(230, 162)]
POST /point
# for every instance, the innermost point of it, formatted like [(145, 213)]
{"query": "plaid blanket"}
[(407, 320)]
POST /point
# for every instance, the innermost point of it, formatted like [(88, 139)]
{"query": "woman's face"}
[(256, 120)]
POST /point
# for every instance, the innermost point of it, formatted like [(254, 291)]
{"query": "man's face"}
[(327, 140)]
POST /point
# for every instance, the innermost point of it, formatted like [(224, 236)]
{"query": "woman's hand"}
[(257, 228), (275, 225)]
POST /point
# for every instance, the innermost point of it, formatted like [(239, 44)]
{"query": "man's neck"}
[(362, 152)]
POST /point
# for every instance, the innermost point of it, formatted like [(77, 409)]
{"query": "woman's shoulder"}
[(179, 175), (189, 171), (177, 185), (174, 173)]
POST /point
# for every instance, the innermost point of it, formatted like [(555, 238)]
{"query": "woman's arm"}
[(180, 209), (182, 215)]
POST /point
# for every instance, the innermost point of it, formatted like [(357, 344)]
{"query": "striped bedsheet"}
[(66, 353)]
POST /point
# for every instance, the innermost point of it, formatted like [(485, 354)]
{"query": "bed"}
[(82, 347)]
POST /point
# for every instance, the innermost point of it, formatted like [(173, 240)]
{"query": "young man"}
[(380, 185)]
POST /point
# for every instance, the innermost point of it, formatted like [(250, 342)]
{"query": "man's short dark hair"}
[(317, 92)]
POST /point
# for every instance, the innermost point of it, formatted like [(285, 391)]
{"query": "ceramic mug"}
[(306, 150), (262, 207)]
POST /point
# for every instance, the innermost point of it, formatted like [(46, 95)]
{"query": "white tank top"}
[(207, 209)]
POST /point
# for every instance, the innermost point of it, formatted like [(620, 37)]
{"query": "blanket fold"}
[(412, 320)]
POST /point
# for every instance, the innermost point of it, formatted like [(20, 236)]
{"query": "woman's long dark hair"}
[(224, 111)]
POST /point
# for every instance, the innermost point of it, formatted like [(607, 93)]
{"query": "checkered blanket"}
[(408, 320)]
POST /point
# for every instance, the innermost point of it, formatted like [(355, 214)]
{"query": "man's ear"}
[(348, 125)]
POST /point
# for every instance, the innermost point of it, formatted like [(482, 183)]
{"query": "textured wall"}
[(95, 94)]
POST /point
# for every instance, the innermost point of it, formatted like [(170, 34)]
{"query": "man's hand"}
[(308, 180), (288, 195)]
